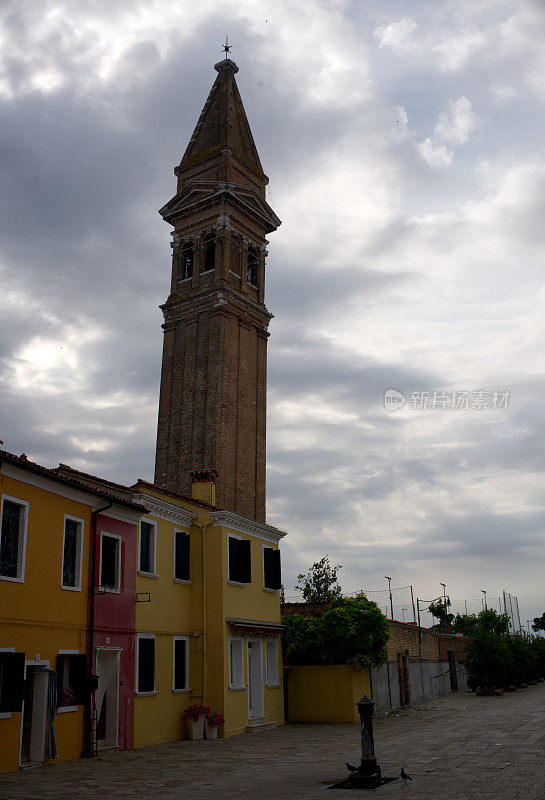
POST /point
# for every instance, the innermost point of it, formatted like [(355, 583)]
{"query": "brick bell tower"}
[(212, 407)]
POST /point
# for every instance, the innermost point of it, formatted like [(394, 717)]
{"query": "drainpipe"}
[(204, 605), (88, 746)]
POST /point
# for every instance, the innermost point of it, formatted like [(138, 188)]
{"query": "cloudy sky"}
[(404, 146)]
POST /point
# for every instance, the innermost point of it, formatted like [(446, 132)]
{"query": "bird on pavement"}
[(405, 777), (350, 768)]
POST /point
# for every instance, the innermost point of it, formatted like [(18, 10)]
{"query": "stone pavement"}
[(460, 747)]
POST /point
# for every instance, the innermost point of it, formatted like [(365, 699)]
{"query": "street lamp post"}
[(390, 594), (444, 585), (484, 599)]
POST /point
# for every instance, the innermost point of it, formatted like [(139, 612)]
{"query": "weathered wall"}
[(324, 693)]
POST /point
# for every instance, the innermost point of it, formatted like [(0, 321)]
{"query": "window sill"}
[(13, 580), (236, 583), (235, 274), (66, 709), (147, 574), (108, 590), (238, 688), (182, 581), (185, 280), (145, 694), (71, 588), (253, 285), (271, 591), (5, 714), (273, 685), (181, 691), (208, 271)]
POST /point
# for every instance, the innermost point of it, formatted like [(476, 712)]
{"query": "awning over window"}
[(255, 627)]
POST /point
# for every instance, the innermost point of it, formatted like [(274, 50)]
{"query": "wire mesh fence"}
[(401, 605), (396, 604)]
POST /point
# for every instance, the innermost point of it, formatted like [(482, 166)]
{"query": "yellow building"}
[(207, 615), (45, 528)]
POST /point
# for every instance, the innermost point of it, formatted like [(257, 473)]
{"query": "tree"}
[(352, 631), (320, 585), (539, 623), (488, 620)]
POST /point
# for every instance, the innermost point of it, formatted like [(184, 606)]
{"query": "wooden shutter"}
[(271, 561), (78, 677), (182, 556), (13, 681), (245, 560), (61, 662)]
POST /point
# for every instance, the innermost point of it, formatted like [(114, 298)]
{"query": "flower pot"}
[(211, 731), (196, 728)]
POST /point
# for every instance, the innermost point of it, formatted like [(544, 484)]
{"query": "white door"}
[(255, 678), (34, 717)]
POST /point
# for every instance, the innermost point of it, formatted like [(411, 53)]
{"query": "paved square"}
[(460, 747)]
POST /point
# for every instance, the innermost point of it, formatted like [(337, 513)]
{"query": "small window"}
[(72, 550), (71, 679), (236, 664), (145, 662), (253, 265), (180, 655), (110, 562), (209, 253), (181, 555), (13, 538), (185, 264), (146, 561), (12, 678), (272, 578), (240, 564), (271, 661)]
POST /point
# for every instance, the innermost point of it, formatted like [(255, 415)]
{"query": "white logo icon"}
[(393, 400)]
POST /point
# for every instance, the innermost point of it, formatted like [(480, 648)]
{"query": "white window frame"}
[(267, 588), (183, 581), (21, 555), (272, 681), (79, 553), (186, 687), (117, 590), (140, 636), (6, 714), (240, 643), (153, 573)]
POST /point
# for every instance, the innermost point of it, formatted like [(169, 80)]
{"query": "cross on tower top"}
[(226, 47)]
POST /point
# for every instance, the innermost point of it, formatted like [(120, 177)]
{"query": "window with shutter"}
[(71, 679), (145, 663), (240, 560), (72, 553), (181, 555), (13, 526), (110, 562), (147, 547)]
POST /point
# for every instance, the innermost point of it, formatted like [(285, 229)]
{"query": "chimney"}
[(203, 485)]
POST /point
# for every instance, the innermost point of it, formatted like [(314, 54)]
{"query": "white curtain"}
[(107, 662)]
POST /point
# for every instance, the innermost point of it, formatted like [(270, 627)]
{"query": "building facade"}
[(46, 530)]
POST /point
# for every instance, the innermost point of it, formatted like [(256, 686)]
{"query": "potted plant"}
[(195, 716), (212, 724), (68, 698)]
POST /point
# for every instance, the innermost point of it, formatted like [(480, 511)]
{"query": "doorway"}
[(255, 679), (107, 699), (34, 717)]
